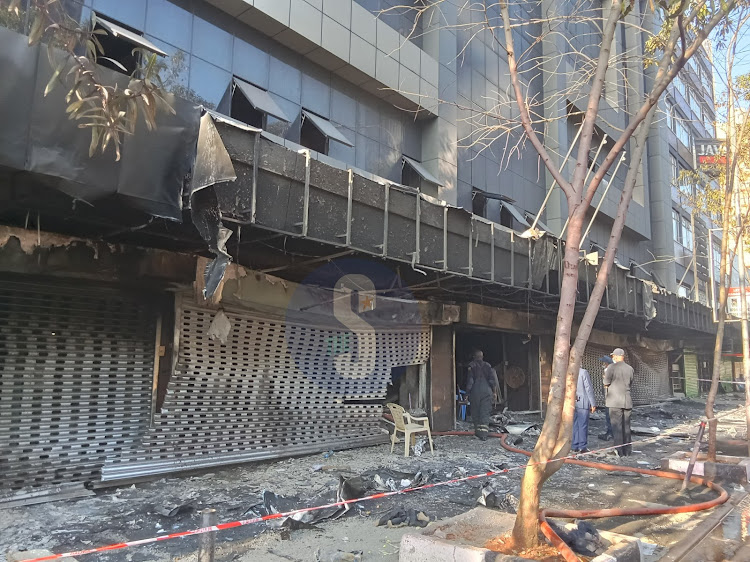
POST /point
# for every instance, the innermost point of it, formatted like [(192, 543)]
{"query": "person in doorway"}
[(618, 378), (585, 404), (607, 435), (481, 384)]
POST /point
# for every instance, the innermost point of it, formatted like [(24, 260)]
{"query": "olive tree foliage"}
[(110, 110), (574, 73)]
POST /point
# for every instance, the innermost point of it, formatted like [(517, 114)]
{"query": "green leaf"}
[(51, 83), (94, 141), (118, 64), (37, 29)]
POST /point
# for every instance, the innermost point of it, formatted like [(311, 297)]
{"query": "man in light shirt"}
[(585, 404)]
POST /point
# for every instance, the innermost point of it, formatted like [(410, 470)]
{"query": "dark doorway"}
[(511, 355)]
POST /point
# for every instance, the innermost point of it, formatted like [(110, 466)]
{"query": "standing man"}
[(618, 379), (607, 435), (585, 403), (481, 385)]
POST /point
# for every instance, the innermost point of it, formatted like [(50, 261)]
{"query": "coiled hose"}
[(558, 543)]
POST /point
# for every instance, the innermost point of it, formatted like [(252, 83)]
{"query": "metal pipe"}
[(306, 197), (554, 183), (694, 455), (445, 239), (254, 197), (492, 252), (601, 199), (471, 248), (207, 546), (513, 259), (586, 179), (157, 360), (417, 218), (385, 218), (350, 193)]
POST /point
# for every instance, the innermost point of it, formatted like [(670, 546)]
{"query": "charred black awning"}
[(36, 136)]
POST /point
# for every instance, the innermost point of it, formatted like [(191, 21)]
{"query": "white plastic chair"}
[(408, 425)]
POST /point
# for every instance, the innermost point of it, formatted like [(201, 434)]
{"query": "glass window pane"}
[(132, 12), (212, 44), (169, 23), (208, 83)]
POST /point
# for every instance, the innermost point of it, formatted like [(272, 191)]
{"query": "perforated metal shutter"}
[(76, 368), (651, 378), (270, 391)]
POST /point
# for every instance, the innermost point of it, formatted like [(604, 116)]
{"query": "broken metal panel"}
[(261, 100), (284, 397), (134, 38), (401, 224), (18, 60), (37, 136), (420, 169), (327, 128), (212, 162), (76, 378)]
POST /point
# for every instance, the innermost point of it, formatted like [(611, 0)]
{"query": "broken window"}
[(513, 217), (414, 174), (540, 225), (479, 203), (120, 47), (252, 105), (316, 132)]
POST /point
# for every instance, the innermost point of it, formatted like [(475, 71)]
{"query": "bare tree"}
[(734, 185), (680, 29), (107, 109)]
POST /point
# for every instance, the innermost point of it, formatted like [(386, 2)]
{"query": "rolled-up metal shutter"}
[(76, 369), (269, 391)]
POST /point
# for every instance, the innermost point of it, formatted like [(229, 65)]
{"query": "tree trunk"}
[(526, 528), (719, 342)]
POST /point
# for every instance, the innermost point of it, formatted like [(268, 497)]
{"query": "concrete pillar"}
[(439, 134)]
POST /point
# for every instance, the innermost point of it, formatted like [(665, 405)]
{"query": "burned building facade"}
[(308, 236)]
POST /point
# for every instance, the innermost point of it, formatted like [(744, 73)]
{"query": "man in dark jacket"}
[(481, 384), (618, 378)]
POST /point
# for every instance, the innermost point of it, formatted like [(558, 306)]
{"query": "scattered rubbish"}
[(651, 431), (582, 537), (173, 509), (402, 517), (338, 556), (220, 328), (327, 454), (648, 548), (643, 462), (489, 496), (271, 503), (524, 428), (458, 472), (420, 446), (738, 488), (329, 468), (516, 440)]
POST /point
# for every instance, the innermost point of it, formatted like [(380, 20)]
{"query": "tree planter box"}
[(726, 468), (462, 539)]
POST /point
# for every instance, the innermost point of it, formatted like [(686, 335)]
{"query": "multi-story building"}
[(191, 305)]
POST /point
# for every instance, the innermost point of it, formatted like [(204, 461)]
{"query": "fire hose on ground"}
[(558, 543)]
